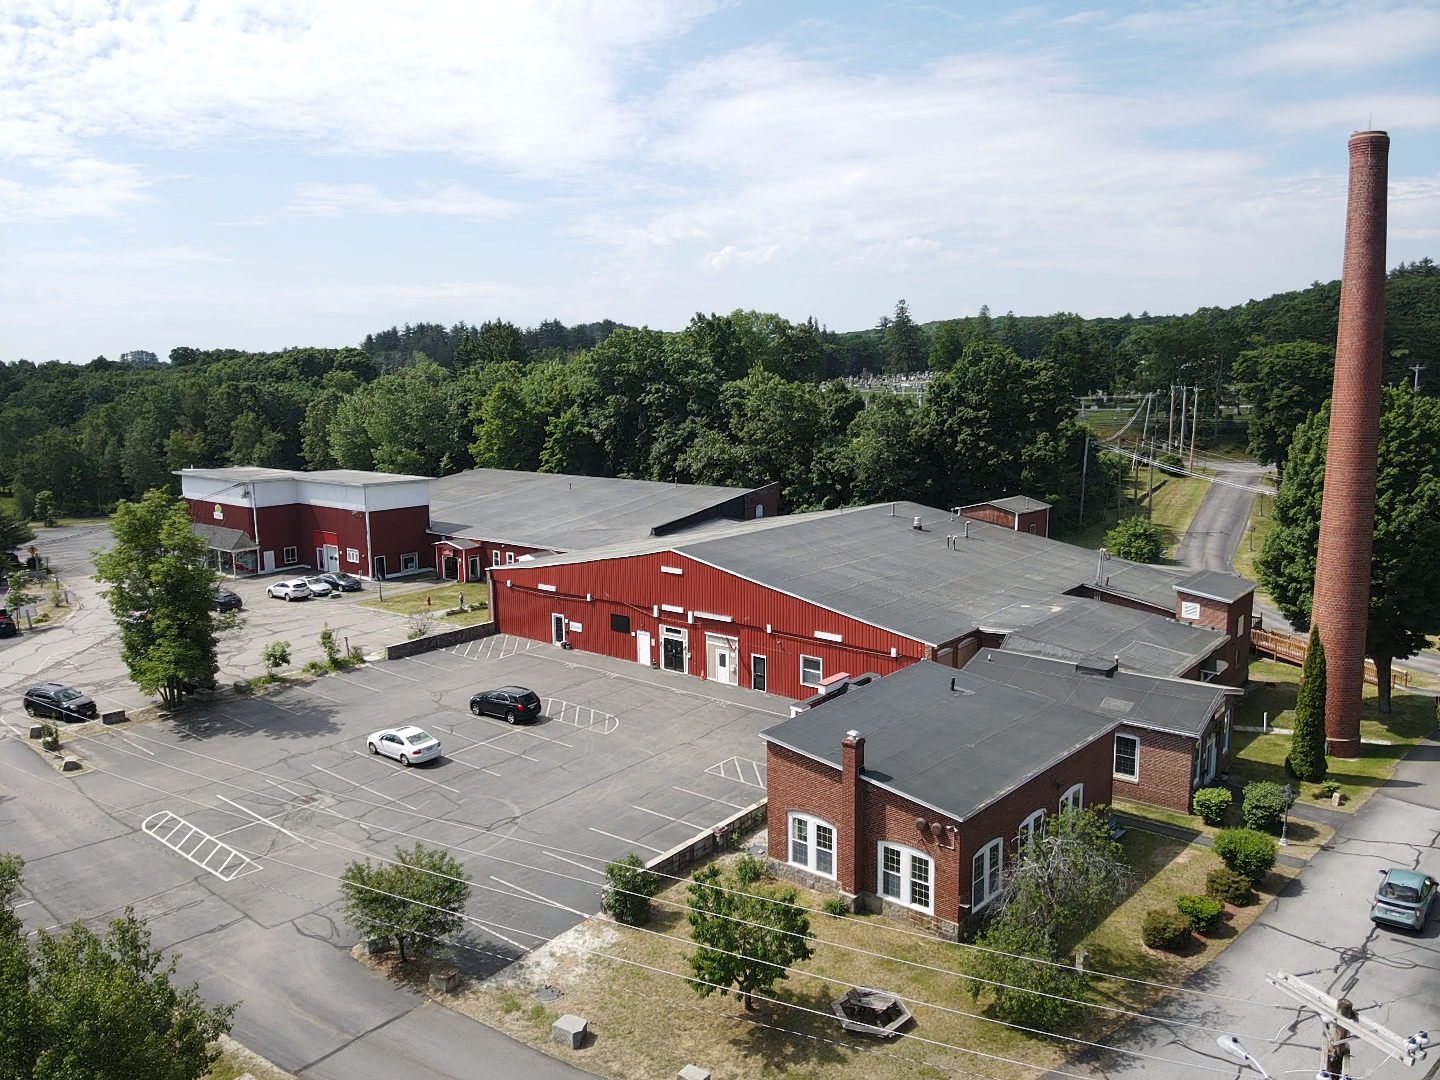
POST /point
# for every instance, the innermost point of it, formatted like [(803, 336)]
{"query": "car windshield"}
[(68, 694), (315, 581), (416, 738), (1406, 894)]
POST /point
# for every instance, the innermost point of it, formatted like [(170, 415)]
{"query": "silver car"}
[(1403, 899), (319, 586), (407, 745)]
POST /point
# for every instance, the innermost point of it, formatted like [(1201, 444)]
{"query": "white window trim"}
[(494, 556), (812, 844), (1031, 827), (1134, 777), (509, 558), (907, 857), (820, 663), (1078, 791), (412, 558), (993, 855), (291, 556)]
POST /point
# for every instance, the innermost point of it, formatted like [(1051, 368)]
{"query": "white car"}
[(407, 745), (319, 586), (290, 589)]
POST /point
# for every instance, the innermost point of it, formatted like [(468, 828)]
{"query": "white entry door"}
[(721, 655), (332, 558), (642, 647), (269, 561)]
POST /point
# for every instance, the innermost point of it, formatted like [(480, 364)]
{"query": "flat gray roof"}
[(563, 513), (954, 751), (242, 473), (1216, 585), (1144, 642), (1016, 504), (1183, 706)]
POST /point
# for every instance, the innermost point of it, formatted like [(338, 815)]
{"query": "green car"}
[(1403, 899)]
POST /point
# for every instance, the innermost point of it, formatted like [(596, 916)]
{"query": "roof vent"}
[(1097, 665), (916, 524)]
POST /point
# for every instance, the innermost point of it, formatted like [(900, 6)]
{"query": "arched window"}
[(1031, 828), (1074, 799)]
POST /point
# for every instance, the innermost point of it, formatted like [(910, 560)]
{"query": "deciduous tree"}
[(1284, 385), (747, 933), (419, 897)]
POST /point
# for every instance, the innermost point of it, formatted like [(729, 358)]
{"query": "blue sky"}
[(266, 174)]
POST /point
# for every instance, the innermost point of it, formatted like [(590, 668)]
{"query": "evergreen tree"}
[(1307, 745)]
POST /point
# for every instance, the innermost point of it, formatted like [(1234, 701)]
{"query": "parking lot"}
[(624, 759)]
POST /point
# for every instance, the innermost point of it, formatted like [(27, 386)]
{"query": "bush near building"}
[(1211, 804), (1263, 806), (628, 889), (1165, 929), (1228, 887), (1136, 539), (1202, 912), (1246, 851)]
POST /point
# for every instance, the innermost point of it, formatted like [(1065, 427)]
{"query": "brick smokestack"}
[(1347, 513), (852, 764)]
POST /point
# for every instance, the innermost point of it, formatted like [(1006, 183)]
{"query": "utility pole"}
[(1084, 465), (1150, 489), (1170, 435), (1194, 426), (1184, 390), (1343, 1026), (1417, 368)]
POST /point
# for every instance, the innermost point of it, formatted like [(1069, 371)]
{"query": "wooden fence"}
[(1291, 648)]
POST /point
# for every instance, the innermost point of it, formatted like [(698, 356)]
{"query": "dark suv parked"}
[(60, 702), (510, 703), (222, 599), (7, 625)]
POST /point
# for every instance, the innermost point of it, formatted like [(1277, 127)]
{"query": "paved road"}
[(1216, 532), (1318, 928)]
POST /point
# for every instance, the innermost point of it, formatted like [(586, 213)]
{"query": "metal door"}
[(269, 561), (557, 628), (447, 570), (379, 567), (672, 649), (332, 558), (757, 671), (642, 647)]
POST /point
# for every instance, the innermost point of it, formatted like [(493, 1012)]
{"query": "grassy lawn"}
[(1262, 757), (435, 597), (1305, 837), (1262, 520), (647, 1021), (1174, 502)]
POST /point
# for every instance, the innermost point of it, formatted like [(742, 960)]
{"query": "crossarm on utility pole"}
[(1331, 1010)]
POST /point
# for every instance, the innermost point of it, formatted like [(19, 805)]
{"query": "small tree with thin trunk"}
[(748, 935), (421, 896), (1307, 744)]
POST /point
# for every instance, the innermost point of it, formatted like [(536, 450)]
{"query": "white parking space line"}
[(504, 750), (317, 693), (422, 663), (580, 717), (516, 729), (236, 719), (740, 770), (387, 671), (132, 742), (533, 895), (572, 862), (395, 767), (708, 798), (263, 821), (667, 817), (626, 840), (363, 787)]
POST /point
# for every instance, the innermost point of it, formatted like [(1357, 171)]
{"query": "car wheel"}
[(510, 717), (373, 748), (29, 709), (474, 708), (404, 761)]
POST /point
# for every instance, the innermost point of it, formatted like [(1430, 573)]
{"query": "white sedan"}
[(407, 745), (290, 589)]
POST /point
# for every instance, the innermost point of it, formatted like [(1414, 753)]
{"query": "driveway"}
[(626, 759), (1319, 929)]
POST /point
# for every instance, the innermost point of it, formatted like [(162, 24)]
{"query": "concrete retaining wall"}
[(443, 640), (701, 846)]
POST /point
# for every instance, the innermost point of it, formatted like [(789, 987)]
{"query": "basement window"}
[(812, 671)]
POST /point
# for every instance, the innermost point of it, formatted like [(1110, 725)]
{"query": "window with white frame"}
[(1074, 799), (1030, 829), (812, 670), (509, 558), (812, 844), (292, 556), (352, 555), (410, 561), (1127, 757), (494, 556), (985, 874), (907, 877), (1227, 732)]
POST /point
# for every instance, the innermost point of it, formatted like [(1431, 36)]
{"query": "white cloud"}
[(81, 186), (333, 200), (1368, 36)]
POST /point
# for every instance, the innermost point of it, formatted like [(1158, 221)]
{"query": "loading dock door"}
[(672, 649), (642, 647)]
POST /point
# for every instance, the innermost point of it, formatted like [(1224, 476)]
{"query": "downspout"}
[(369, 545)]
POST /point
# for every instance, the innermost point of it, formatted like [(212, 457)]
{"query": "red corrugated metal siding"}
[(400, 532), (232, 517), (636, 585)]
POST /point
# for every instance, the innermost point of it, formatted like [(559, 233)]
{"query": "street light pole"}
[(1285, 822)]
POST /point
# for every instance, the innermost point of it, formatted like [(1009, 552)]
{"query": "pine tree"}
[(1307, 745)]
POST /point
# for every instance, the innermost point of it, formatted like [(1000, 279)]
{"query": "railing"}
[(1291, 648)]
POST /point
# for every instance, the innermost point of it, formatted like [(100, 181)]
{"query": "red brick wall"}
[(1347, 512), (1226, 618), (1167, 765), (799, 783)]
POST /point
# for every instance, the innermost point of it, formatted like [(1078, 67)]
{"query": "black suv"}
[(7, 624), (510, 703), (222, 599), (60, 702)]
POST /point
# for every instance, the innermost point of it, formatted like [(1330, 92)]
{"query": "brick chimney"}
[(852, 762), (1347, 513)]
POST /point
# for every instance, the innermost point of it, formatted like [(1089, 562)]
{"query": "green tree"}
[(419, 897), (903, 343), (1069, 876), (1404, 573), (1137, 540), (628, 889), (1023, 991), (45, 508), (160, 596), (1284, 385), (13, 533), (99, 1007), (1307, 742), (748, 934), (494, 342), (412, 421)]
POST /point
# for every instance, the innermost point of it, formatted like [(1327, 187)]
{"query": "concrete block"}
[(570, 1030), (115, 716), (378, 946), (36, 731), (445, 980), (694, 1072), (71, 764)]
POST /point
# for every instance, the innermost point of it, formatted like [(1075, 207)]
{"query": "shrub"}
[(276, 655), (315, 667), (328, 646), (1228, 886), (1165, 929), (1246, 851), (1328, 790), (1212, 803), (354, 656), (748, 869), (49, 737), (1201, 912), (1264, 805), (1136, 539), (628, 889), (835, 905)]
